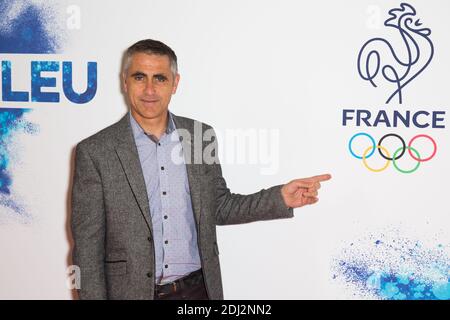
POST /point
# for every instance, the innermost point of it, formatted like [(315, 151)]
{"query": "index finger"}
[(321, 177)]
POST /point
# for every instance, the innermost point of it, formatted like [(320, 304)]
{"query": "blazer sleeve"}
[(88, 226), (233, 208)]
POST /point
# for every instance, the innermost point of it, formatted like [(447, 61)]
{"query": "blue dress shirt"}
[(173, 221)]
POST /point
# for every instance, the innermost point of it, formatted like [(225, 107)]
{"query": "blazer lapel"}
[(129, 158), (191, 167)]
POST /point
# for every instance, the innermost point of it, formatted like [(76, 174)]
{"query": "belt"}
[(191, 279)]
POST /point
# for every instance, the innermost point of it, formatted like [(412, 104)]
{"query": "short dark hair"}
[(151, 46)]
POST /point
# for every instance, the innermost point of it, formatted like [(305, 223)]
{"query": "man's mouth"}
[(149, 100)]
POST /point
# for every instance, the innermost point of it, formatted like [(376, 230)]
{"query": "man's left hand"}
[(300, 192)]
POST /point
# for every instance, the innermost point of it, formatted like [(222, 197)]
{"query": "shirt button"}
[(166, 242), (166, 266), (149, 275), (165, 217), (162, 168), (159, 143), (164, 193)]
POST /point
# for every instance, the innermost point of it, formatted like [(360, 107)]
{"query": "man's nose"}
[(150, 88)]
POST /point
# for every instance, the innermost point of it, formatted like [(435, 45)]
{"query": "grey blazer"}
[(111, 221)]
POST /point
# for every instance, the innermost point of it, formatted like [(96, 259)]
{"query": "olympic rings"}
[(413, 169), (432, 141), (379, 148), (392, 135), (369, 151), (361, 134)]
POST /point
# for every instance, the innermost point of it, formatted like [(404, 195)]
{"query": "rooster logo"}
[(378, 59)]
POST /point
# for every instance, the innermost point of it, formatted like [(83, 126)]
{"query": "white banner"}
[(354, 88)]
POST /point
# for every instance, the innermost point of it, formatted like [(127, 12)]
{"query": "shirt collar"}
[(138, 131)]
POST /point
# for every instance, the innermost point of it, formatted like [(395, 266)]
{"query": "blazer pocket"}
[(116, 262), (116, 268)]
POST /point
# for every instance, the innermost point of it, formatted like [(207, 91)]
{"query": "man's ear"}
[(124, 82), (175, 83)]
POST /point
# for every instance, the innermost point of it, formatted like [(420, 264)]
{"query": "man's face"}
[(149, 85)]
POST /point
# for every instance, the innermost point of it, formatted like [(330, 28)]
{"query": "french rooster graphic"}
[(378, 60)]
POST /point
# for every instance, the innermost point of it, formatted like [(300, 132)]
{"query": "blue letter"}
[(37, 82), (365, 119), (418, 125), (346, 117), (7, 93), (405, 120), (89, 94), (436, 119), (382, 117)]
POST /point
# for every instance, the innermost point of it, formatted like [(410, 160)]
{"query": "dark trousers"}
[(191, 287)]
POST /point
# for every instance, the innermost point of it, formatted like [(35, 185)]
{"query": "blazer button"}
[(149, 275), (149, 238)]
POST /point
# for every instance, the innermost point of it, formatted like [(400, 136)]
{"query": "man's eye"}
[(161, 78), (139, 77)]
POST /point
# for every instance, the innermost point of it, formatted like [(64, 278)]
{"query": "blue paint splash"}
[(26, 27), (11, 122), (396, 269)]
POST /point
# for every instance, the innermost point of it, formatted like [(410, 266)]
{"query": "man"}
[(145, 206)]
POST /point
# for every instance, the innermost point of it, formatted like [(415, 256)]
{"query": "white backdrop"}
[(283, 70)]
